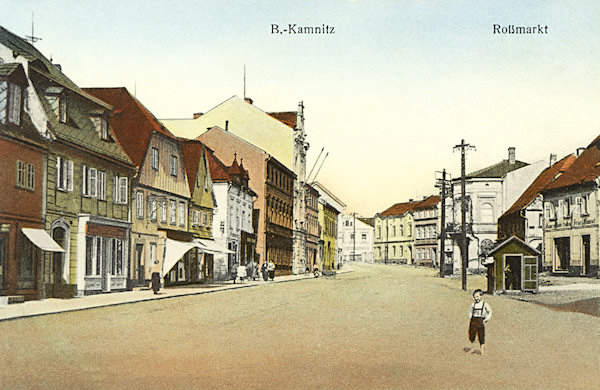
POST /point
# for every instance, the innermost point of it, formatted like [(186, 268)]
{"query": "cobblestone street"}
[(377, 327)]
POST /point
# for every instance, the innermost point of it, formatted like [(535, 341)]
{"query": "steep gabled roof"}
[(286, 117), (497, 170), (540, 183), (585, 168), (192, 152), (218, 170), (399, 209), (132, 122)]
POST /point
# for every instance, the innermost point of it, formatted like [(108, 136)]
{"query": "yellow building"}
[(394, 234), (271, 132), (329, 209)]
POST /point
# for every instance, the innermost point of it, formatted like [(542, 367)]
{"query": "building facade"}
[(394, 234), (233, 217), (313, 228), (329, 255), (426, 217), (571, 216), (355, 239)]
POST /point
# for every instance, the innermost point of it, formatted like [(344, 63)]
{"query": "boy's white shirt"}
[(487, 312)]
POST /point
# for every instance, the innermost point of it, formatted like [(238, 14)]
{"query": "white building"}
[(232, 224), (355, 239), (490, 192)]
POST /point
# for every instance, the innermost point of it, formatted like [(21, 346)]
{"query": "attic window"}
[(58, 102), (101, 126), (10, 102)]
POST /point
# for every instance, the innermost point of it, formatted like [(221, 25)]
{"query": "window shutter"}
[(69, 175), (115, 189), (124, 190), (84, 180)]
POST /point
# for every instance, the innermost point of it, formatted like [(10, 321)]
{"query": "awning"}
[(209, 246), (42, 240), (174, 251)]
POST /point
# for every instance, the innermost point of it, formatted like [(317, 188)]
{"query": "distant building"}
[(329, 255), (312, 226), (490, 191), (394, 238), (426, 217), (355, 239)]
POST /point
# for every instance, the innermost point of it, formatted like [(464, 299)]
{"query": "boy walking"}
[(480, 313)]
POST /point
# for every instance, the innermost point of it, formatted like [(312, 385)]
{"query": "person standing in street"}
[(271, 269), (479, 313), (155, 278), (264, 271)]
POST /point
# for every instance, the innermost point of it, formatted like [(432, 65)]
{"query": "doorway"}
[(139, 271), (512, 272), (57, 265), (585, 246), (2, 262)]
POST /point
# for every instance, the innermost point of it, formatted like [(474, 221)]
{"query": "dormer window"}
[(101, 125), (10, 102), (58, 102)]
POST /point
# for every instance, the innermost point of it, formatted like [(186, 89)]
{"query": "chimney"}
[(410, 200), (248, 100), (226, 125), (511, 155), (198, 115), (579, 151), (552, 159)]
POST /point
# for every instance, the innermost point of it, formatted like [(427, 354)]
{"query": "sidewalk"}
[(54, 306)]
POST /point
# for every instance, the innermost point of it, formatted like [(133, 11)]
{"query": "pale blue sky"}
[(388, 95)]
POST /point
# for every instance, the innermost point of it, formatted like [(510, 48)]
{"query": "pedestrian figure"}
[(264, 271), (241, 272), (271, 269), (480, 313), (155, 279), (254, 271), (234, 272)]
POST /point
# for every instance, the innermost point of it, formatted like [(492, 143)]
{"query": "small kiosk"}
[(514, 267)]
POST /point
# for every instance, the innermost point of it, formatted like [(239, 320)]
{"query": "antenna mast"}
[(32, 37)]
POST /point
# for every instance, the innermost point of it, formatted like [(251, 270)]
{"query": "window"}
[(26, 277), (352, 236), (63, 109), (152, 254), (154, 159), (174, 166), (101, 185), (101, 126), (549, 209), (584, 204), (198, 179), (64, 174), (139, 204), (10, 103), (181, 214), (364, 236), (25, 175), (152, 208), (487, 213), (173, 212), (120, 190), (195, 217), (163, 211)]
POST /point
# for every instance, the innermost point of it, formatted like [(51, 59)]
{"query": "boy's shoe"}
[(466, 349), (477, 352)]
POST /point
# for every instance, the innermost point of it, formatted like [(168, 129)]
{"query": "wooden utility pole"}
[(443, 224), (464, 245)]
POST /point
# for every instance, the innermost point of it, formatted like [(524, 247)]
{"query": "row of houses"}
[(96, 193), (548, 209)]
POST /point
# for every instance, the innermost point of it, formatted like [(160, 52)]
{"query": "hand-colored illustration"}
[(299, 195)]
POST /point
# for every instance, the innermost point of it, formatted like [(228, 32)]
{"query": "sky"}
[(388, 94)]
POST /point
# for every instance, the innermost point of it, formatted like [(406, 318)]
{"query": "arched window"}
[(487, 213)]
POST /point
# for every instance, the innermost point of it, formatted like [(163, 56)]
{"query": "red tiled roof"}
[(131, 122), (287, 117), (540, 183), (218, 170), (428, 203), (192, 153), (585, 168), (235, 169), (399, 209)]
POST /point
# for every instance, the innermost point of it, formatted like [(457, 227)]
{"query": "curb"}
[(153, 298)]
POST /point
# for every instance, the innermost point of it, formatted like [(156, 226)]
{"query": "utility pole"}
[(442, 184), (464, 245), (387, 228), (354, 236)]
